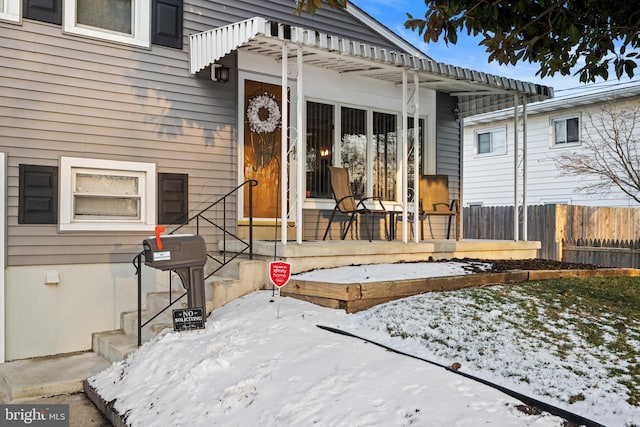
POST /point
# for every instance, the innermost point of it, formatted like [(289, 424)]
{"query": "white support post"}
[(405, 157), (416, 159), (525, 212), (516, 182), (299, 153), (284, 147)]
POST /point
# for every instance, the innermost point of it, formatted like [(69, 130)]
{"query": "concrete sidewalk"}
[(54, 380)]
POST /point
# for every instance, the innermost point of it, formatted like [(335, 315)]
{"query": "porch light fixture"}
[(219, 73), (456, 113)]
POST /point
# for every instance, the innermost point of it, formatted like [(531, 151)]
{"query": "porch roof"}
[(477, 92)]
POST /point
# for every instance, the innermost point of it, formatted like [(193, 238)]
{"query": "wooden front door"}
[(262, 143)]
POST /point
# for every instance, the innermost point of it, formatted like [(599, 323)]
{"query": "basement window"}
[(106, 195)]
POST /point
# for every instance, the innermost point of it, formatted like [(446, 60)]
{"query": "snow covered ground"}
[(253, 367)]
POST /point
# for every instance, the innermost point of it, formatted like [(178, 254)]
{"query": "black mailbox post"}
[(186, 254)]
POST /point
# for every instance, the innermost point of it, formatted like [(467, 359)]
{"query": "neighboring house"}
[(114, 122), (554, 127)]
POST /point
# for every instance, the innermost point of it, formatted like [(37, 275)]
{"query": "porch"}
[(311, 255), (355, 296)]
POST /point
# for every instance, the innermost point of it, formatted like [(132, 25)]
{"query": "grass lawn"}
[(576, 341)]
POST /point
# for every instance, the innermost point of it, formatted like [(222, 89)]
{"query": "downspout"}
[(284, 147), (299, 153)]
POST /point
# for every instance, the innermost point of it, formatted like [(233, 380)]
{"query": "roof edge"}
[(384, 31)]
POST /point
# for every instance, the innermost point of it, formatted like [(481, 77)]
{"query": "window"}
[(10, 10), (385, 155), (363, 141), (353, 148), (124, 21), (566, 130), (320, 127), (492, 141), (105, 195), (38, 194)]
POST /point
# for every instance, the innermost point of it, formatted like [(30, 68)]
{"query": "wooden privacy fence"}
[(554, 224), (606, 253), (496, 223)]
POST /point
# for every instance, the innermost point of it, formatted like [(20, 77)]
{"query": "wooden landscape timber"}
[(354, 297)]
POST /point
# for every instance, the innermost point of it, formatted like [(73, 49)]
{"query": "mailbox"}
[(186, 254)]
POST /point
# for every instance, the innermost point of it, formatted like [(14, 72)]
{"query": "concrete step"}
[(28, 379), (230, 270), (156, 301), (129, 322), (114, 345)]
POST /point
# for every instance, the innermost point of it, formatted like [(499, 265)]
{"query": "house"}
[(554, 127), (114, 122)]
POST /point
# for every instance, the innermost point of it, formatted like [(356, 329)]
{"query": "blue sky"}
[(466, 53)]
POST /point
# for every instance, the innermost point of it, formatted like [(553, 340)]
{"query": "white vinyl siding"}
[(546, 183)]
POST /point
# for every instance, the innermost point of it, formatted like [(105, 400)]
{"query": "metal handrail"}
[(137, 260)]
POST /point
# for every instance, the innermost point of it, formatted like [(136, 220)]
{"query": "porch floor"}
[(311, 255)]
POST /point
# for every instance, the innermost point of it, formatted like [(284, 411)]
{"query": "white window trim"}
[(552, 139), (12, 11), (141, 25), (490, 153), (148, 195)]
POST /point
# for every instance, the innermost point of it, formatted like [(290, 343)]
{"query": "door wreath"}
[(268, 124)]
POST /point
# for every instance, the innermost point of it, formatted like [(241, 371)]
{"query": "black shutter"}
[(166, 28), (38, 195), (173, 202), (43, 10)]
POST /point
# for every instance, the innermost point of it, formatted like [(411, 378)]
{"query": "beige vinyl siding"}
[(65, 95), (448, 142), (447, 160), (206, 15), (71, 96)]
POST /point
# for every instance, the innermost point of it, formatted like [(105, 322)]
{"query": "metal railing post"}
[(139, 299), (251, 220), (225, 232)]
